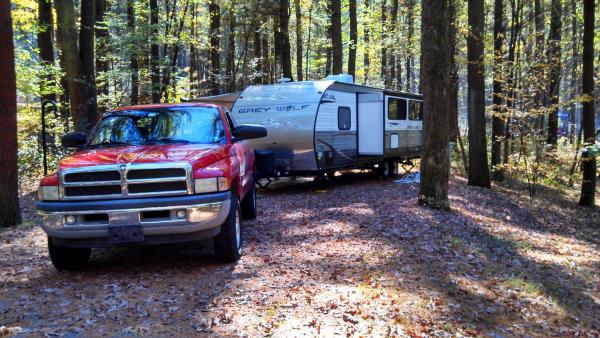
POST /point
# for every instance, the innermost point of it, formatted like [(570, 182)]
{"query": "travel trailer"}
[(318, 127)]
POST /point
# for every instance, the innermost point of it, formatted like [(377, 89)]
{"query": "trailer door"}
[(370, 124)]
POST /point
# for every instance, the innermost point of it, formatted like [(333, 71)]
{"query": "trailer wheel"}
[(249, 209), (393, 166), (228, 243), (69, 259)]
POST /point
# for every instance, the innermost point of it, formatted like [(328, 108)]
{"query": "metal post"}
[(44, 145)]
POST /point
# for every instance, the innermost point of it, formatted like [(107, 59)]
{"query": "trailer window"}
[(396, 109), (415, 111), (344, 120)]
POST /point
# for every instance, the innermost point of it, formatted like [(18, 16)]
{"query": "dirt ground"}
[(357, 258)]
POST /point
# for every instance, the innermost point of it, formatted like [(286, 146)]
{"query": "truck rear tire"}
[(228, 243), (70, 259), (249, 210)]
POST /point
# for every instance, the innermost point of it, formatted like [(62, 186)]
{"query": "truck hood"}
[(197, 155)]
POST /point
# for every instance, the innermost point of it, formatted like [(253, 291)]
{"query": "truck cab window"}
[(344, 119), (415, 111), (396, 109)]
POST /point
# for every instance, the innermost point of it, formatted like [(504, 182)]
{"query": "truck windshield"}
[(173, 125)]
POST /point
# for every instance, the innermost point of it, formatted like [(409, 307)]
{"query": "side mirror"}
[(73, 140), (249, 131)]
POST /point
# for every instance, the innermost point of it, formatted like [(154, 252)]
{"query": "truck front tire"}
[(249, 210), (228, 243), (69, 259)]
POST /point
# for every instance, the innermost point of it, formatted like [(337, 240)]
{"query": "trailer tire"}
[(393, 169), (228, 243), (249, 209), (384, 169), (69, 259)]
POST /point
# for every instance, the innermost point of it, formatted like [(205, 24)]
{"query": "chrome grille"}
[(126, 181)]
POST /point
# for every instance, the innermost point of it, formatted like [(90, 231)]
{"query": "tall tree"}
[(282, 39), (588, 184), (434, 158), (10, 213), (78, 63), (154, 52), (335, 8), (45, 38), (133, 58), (452, 77), (554, 60), (101, 45), (298, 40), (478, 164), (230, 61), (384, 66), (393, 25), (367, 40), (214, 12), (574, 65), (410, 17), (497, 96), (353, 38)]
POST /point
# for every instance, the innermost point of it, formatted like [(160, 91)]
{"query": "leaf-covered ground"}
[(357, 258)]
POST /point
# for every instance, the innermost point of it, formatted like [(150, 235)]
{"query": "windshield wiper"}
[(169, 140)]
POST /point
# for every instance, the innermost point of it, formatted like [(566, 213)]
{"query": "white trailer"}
[(316, 127)]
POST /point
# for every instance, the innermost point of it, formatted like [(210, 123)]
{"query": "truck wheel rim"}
[(238, 232)]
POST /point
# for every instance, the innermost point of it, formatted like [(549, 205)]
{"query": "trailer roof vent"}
[(345, 78), (284, 80)]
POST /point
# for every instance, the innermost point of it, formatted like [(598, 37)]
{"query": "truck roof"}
[(165, 105)]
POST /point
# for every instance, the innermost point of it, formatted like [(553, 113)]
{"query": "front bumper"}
[(202, 217)]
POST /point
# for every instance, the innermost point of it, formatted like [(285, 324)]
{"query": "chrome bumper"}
[(93, 218)]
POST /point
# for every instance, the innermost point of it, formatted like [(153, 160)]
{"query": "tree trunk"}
[(478, 165), (498, 120), (133, 59), (257, 46), (214, 33), (392, 52), (88, 69), (44, 38), (384, 68), (410, 56), (335, 7), (353, 39), (101, 46), (434, 158), (452, 77), (230, 64), (282, 39), (10, 212), (366, 37), (154, 54), (555, 70), (574, 65), (299, 42), (588, 184)]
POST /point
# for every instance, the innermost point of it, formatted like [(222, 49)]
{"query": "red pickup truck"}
[(151, 174)]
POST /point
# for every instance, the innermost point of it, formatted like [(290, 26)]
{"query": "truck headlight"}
[(211, 184), (48, 193)]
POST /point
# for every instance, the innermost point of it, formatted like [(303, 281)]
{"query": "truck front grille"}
[(126, 181)]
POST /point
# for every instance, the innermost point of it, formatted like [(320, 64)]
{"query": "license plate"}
[(125, 234)]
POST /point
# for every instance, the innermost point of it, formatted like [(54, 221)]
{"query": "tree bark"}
[(574, 77), (452, 77), (214, 40), (335, 7), (230, 64), (133, 58), (353, 38), (10, 212), (299, 42), (498, 120), (392, 52), (588, 184), (434, 158), (478, 164), (554, 61), (154, 54), (88, 70), (384, 67), (45, 37)]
